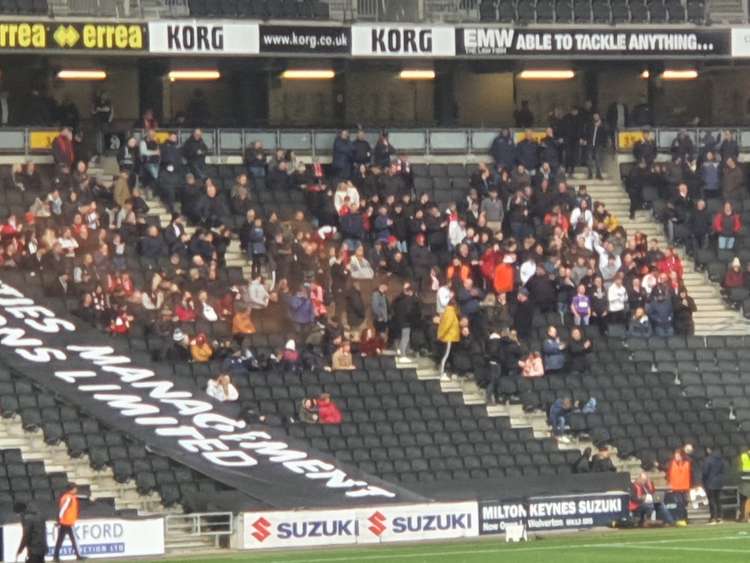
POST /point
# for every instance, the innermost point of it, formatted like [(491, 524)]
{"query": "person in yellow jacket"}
[(448, 332), (66, 519), (200, 349), (744, 486)]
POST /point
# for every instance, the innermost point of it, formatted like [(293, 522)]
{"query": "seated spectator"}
[(532, 365), (121, 322), (558, 412), (726, 225), (200, 349), (222, 389), (580, 306), (371, 343), (579, 349), (554, 351), (359, 267), (342, 358), (242, 323), (308, 411), (734, 277), (289, 358), (601, 462), (185, 310), (205, 309), (328, 412), (639, 325)]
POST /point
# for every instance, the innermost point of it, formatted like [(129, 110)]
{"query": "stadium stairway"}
[(713, 316), (105, 171), (102, 484), (519, 418)]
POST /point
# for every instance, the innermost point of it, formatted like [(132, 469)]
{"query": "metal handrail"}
[(317, 142), (201, 524)]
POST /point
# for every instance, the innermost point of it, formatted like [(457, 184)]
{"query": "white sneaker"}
[(564, 440)]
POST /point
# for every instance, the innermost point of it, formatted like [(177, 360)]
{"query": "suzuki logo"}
[(377, 520), (261, 526)]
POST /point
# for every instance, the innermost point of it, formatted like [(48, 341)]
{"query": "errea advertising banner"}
[(379, 524), (98, 538), (553, 513), (384, 40), (72, 36), (201, 37), (583, 43)]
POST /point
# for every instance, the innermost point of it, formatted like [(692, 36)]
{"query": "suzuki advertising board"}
[(381, 524), (438, 521), (98, 538)]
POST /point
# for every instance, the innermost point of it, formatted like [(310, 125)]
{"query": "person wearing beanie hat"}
[(200, 349), (734, 277)]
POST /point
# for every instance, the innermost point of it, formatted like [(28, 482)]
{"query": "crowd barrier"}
[(319, 142)]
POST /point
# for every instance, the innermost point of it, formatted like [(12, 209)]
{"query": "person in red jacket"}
[(62, 149), (726, 225), (328, 412), (671, 263)]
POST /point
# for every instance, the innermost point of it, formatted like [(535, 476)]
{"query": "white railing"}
[(200, 525)]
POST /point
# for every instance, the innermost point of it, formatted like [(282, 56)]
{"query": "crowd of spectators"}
[(695, 193), (365, 266)]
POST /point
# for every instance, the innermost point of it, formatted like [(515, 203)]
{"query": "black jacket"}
[(406, 311), (712, 472), (34, 537)]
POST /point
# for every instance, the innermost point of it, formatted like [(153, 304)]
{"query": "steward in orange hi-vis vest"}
[(67, 517)]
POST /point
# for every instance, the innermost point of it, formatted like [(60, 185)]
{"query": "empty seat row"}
[(596, 11), (261, 9)]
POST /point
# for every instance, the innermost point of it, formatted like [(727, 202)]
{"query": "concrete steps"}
[(713, 317), (56, 459), (535, 420)]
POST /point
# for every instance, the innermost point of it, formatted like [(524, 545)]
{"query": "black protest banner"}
[(82, 366), (553, 513), (588, 43), (305, 40)]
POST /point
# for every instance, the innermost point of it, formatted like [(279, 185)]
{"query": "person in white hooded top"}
[(617, 296)]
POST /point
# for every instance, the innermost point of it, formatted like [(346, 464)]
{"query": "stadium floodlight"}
[(417, 74), (674, 74), (82, 74), (560, 74), (308, 74), (209, 74), (682, 74)]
